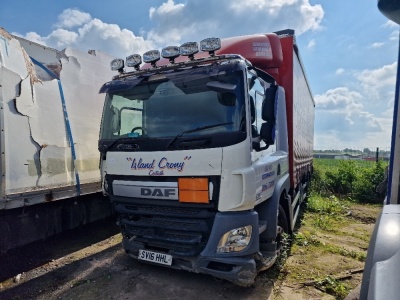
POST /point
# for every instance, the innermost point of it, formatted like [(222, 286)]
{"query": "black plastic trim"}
[(182, 143)]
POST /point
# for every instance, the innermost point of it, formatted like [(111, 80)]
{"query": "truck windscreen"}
[(167, 105)]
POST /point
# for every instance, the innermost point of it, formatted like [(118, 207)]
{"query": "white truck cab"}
[(195, 159)]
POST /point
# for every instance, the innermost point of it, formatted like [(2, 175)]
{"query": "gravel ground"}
[(104, 271), (89, 263)]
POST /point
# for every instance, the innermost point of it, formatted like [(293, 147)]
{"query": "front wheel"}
[(263, 259), (282, 231)]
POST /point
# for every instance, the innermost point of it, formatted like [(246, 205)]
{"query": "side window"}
[(129, 115), (256, 95), (131, 120)]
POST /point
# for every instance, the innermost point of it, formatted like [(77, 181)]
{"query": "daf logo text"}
[(157, 192)]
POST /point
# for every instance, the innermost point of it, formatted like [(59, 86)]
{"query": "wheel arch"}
[(268, 210)]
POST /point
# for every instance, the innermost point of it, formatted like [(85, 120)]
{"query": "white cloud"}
[(388, 114), (358, 129), (174, 23), (311, 44), (111, 39), (32, 36), (197, 19), (360, 116), (374, 80), (169, 8), (61, 38), (339, 71), (390, 24), (394, 36), (91, 34), (340, 101), (72, 17), (376, 45), (341, 110)]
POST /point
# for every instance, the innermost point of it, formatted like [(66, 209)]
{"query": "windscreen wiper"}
[(196, 129), (120, 140)]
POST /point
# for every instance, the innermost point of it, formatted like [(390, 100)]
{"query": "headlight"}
[(134, 61), (211, 45), (170, 52), (152, 57), (235, 240), (189, 49), (117, 64)]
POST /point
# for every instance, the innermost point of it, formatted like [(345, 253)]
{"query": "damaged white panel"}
[(85, 105), (36, 145), (20, 169), (45, 55), (56, 166), (45, 114), (12, 56)]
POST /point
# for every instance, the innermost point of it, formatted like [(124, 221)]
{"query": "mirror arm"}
[(258, 148)]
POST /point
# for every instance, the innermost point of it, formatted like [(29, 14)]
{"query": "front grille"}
[(165, 210), (180, 229), (177, 230), (170, 223)]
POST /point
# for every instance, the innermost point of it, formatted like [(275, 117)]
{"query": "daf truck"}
[(206, 157)]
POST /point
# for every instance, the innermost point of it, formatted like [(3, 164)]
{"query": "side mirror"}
[(391, 9), (267, 133), (252, 110), (256, 146), (254, 131), (269, 106)]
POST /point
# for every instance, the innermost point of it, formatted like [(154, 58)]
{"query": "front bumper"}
[(237, 267)]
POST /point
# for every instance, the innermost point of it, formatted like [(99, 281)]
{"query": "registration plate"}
[(159, 258)]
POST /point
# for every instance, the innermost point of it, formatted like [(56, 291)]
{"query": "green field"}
[(359, 180), (326, 164), (334, 231)]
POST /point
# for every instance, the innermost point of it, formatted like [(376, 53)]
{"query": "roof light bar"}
[(170, 52), (211, 45), (134, 61), (152, 57), (189, 49), (117, 65)]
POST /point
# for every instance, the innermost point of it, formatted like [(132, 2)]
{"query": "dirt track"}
[(89, 263), (104, 271), (54, 270)]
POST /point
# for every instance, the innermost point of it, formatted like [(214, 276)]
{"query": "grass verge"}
[(328, 249)]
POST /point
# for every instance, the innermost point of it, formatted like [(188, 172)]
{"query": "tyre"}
[(282, 232)]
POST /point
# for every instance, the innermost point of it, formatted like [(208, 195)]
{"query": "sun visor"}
[(120, 85)]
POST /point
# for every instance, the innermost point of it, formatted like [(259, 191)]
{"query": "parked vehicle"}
[(381, 272), (50, 113), (206, 157)]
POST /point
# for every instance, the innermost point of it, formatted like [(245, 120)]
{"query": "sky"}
[(348, 48)]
